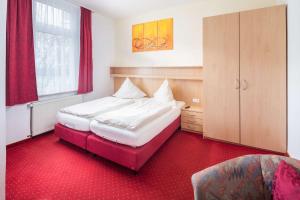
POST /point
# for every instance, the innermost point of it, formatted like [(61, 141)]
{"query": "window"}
[(56, 42)]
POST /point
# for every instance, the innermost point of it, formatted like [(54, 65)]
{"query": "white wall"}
[(2, 99), (18, 117), (18, 123), (187, 32), (294, 78)]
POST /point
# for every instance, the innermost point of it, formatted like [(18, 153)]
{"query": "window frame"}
[(73, 35)]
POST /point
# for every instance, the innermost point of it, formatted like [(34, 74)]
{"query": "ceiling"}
[(125, 8)]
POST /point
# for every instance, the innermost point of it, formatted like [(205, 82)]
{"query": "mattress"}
[(81, 123), (140, 136), (74, 122)]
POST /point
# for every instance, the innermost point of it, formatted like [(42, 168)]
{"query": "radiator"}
[(43, 114)]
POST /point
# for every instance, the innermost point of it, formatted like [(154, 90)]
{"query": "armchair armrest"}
[(239, 178)]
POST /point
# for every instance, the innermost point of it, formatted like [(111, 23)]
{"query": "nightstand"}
[(192, 119)]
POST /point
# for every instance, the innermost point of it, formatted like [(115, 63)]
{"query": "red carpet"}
[(46, 168)]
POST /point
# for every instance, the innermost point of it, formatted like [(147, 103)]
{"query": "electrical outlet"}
[(196, 100)]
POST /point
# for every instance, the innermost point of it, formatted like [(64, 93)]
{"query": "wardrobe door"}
[(221, 77), (263, 78)]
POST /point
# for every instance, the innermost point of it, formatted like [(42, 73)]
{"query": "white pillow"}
[(129, 91), (164, 93)]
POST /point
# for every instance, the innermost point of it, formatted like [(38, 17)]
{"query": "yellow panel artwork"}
[(153, 36), (150, 36), (137, 32), (165, 34)]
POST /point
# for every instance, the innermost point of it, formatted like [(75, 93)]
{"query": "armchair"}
[(246, 177)]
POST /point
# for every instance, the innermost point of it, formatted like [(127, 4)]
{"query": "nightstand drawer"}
[(190, 114), (192, 127), (191, 120)]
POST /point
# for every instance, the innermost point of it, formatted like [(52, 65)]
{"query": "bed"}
[(129, 148), (132, 147), (79, 116), (127, 156), (141, 135), (128, 135)]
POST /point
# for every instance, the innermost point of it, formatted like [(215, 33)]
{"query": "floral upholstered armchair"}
[(247, 177)]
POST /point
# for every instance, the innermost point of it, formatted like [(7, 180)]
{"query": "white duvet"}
[(132, 116), (93, 108)]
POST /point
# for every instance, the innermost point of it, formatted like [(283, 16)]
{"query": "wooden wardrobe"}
[(245, 79)]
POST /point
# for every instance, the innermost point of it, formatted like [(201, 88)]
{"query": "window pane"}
[(56, 34)]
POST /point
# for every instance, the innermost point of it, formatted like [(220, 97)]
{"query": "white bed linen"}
[(132, 116), (95, 107), (74, 122), (140, 136), (81, 123)]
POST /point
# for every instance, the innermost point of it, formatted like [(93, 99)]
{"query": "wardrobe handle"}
[(237, 84), (245, 85)]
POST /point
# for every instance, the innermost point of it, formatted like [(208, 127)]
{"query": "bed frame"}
[(78, 138), (148, 79), (130, 157)]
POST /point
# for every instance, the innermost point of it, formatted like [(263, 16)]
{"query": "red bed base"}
[(133, 158), (78, 138), (130, 157)]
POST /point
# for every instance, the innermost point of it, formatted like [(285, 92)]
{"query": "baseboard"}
[(9, 146)]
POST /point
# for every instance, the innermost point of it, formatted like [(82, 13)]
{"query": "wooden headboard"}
[(186, 82)]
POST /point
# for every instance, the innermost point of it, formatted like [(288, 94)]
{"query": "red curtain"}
[(85, 83), (20, 65)]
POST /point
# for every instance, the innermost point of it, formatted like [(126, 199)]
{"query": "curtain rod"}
[(79, 4)]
